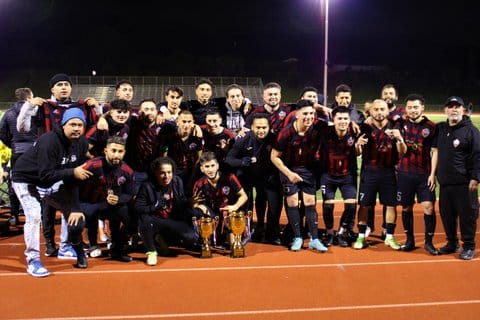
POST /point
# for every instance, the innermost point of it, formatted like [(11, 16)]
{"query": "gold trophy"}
[(206, 226), (237, 223)]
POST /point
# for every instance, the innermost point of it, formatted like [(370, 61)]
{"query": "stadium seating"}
[(102, 87)]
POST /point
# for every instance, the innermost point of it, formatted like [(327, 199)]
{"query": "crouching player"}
[(165, 214), (218, 193)]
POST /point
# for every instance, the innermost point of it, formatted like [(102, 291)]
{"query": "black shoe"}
[(408, 246), (342, 241), (82, 261), (51, 250), (467, 254), (449, 248), (122, 257), (330, 240), (258, 234), (431, 249), (274, 241)]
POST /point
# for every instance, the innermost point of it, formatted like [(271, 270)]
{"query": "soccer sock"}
[(390, 229), (328, 215), (348, 215), (294, 220), (430, 224), (371, 217), (407, 219), (312, 221), (361, 230), (384, 215)]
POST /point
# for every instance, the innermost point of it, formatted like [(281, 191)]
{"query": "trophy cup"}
[(237, 223), (206, 226)]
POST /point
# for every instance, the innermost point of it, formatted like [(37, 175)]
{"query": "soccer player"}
[(164, 210), (217, 138), (116, 118), (293, 154), (416, 171), (171, 108), (339, 171), (216, 193), (204, 101), (106, 194), (180, 143), (380, 145)]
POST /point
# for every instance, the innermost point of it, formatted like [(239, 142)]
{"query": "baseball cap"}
[(454, 100)]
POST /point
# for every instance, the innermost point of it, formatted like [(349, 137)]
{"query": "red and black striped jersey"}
[(276, 118), (381, 151), (219, 144), (337, 154), (298, 150), (183, 153), (107, 178), (141, 145), (223, 194), (51, 112), (418, 138)]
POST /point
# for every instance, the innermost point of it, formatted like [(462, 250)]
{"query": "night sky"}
[(234, 37)]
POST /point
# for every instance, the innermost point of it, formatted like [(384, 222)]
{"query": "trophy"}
[(237, 222), (206, 226)]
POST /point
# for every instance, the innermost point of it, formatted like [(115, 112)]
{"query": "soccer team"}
[(149, 169)]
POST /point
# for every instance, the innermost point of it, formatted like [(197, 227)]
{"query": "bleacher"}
[(102, 88)]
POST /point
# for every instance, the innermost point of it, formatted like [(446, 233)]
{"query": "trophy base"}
[(205, 254), (237, 253)]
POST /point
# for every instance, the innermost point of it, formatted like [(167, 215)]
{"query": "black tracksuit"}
[(458, 164)]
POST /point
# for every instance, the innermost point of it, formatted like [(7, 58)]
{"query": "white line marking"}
[(272, 311), (246, 268)]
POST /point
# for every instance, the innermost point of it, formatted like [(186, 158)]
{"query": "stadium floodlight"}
[(325, 56)]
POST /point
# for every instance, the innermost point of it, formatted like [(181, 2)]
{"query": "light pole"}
[(325, 56)]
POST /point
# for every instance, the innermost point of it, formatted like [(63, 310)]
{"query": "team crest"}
[(456, 143), (121, 180), (166, 196), (350, 141), (192, 146), (425, 132), (282, 114), (73, 158), (226, 190)]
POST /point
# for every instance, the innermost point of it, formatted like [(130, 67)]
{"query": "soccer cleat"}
[(392, 243), (408, 246), (13, 221), (297, 244), (51, 250), (450, 247), (36, 269), (431, 249), (360, 243), (66, 252), (152, 258), (330, 240), (95, 252), (317, 245), (467, 254), (342, 240)]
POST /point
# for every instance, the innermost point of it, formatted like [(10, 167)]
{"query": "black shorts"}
[(347, 185), (307, 185), (409, 185), (381, 181)]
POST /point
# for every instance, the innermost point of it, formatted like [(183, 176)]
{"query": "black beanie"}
[(59, 77)]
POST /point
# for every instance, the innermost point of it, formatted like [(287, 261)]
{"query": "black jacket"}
[(458, 152), (52, 158), (147, 199)]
